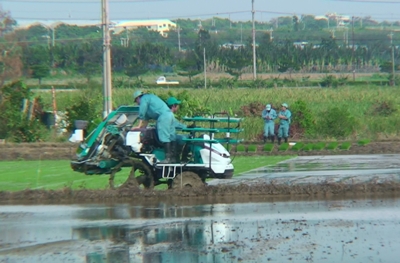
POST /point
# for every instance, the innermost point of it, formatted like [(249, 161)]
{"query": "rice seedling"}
[(332, 146), (283, 147), (269, 147), (363, 142), (319, 146), (252, 148), (308, 147), (240, 148), (298, 146), (345, 146)]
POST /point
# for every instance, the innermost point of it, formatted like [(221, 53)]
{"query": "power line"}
[(130, 18), (83, 2), (369, 1)]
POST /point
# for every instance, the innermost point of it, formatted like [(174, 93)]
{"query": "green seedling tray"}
[(332, 146), (229, 140), (200, 119), (240, 148), (231, 130), (269, 147), (199, 140), (199, 130)]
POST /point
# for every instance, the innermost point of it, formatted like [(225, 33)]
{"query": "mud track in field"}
[(231, 192), (64, 151), (54, 151)]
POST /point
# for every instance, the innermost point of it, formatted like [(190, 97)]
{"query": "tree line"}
[(78, 50)]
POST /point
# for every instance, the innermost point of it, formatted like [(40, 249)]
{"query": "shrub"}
[(20, 116), (332, 81), (345, 146), (337, 123), (85, 108), (303, 119), (190, 106), (329, 81)]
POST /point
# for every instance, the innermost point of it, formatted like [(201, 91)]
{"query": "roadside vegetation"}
[(345, 113)]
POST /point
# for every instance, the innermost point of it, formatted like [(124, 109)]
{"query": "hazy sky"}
[(196, 9)]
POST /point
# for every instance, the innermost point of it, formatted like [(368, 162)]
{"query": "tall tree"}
[(10, 56)]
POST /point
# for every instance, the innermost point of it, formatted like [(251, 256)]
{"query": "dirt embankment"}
[(235, 193), (65, 151)]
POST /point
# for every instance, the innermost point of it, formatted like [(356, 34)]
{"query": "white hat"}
[(268, 106)]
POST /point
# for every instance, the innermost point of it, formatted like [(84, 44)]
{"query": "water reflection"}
[(332, 163), (330, 231)]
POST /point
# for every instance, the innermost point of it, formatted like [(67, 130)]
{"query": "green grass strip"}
[(55, 175)]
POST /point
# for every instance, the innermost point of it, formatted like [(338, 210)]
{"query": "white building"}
[(163, 26)]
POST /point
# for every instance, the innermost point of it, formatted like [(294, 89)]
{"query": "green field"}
[(360, 101), (20, 175)]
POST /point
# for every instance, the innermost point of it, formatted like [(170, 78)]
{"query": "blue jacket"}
[(179, 125), (288, 115), (272, 114), (151, 107)]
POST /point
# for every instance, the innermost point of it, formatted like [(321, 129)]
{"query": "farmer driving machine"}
[(114, 148)]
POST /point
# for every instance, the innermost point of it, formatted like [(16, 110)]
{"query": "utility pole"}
[(179, 39), (127, 37), (391, 43), (241, 33), (107, 92), (254, 42), (53, 41), (205, 70), (352, 53)]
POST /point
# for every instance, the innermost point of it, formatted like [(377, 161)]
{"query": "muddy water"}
[(264, 231), (349, 169), (214, 229)]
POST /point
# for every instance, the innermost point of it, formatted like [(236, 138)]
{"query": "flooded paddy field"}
[(308, 209), (359, 230)]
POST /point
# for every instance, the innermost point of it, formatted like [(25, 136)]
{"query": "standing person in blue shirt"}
[(284, 123), (151, 107), (269, 116)]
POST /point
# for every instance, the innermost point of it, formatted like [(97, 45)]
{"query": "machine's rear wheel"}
[(140, 175), (187, 180)]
